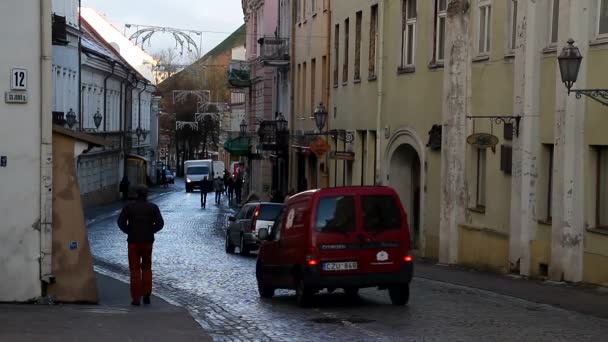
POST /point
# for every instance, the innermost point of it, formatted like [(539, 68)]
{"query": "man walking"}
[(218, 187), (124, 188), (206, 187), (140, 220), (238, 188)]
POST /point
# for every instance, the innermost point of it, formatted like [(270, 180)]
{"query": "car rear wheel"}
[(243, 247), (229, 246), (303, 294), (400, 294), (264, 290)]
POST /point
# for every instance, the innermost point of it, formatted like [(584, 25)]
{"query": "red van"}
[(349, 238)]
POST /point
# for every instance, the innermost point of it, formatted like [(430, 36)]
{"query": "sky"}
[(222, 17)]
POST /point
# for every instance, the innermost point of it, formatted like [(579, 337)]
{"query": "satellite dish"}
[(115, 46)]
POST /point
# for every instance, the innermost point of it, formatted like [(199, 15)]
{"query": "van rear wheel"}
[(303, 294), (264, 290), (400, 294)]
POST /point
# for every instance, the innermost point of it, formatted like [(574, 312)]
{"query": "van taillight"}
[(312, 262), (255, 218), (408, 258)]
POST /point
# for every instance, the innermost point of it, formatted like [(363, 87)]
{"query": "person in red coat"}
[(140, 220)]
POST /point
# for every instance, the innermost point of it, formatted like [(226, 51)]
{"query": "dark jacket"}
[(140, 220), (206, 186)]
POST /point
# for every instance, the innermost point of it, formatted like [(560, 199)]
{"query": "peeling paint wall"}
[(20, 127)]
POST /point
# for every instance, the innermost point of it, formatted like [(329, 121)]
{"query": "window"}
[(304, 12), (336, 214), (270, 212), (554, 22), (373, 41), (602, 189), (325, 4), (358, 46), (336, 53), (304, 83), (313, 6), (506, 159), (197, 170), (324, 82), (408, 32), (380, 213), (345, 65), (485, 23), (550, 183), (481, 178), (298, 11), (513, 28), (275, 231), (603, 18), (313, 83), (441, 12), (299, 87)]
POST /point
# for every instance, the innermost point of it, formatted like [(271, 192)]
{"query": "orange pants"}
[(140, 265)]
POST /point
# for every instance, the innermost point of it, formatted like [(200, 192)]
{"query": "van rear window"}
[(197, 170), (270, 212), (336, 214), (380, 213)]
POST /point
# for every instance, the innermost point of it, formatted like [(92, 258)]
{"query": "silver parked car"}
[(243, 228)]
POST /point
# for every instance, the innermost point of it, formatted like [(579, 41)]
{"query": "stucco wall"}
[(20, 140), (72, 263)]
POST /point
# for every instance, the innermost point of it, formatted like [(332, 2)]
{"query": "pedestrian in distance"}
[(276, 197), (218, 187), (124, 188), (140, 220), (206, 187), (163, 179), (226, 180), (238, 188), (230, 189)]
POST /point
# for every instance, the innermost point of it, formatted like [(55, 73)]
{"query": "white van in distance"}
[(218, 169), (196, 171)]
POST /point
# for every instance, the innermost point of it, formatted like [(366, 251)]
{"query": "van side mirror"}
[(231, 219), (263, 234)]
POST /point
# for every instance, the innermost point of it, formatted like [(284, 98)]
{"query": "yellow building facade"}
[(410, 82)]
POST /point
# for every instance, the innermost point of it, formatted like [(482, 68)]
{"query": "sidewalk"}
[(114, 319), (577, 298)]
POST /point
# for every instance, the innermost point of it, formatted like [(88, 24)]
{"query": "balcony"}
[(238, 74), (274, 51)]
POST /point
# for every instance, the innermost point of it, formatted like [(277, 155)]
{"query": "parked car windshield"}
[(270, 212), (336, 214), (198, 170), (380, 213)]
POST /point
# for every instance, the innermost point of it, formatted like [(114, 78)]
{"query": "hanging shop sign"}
[(482, 140), (319, 147)]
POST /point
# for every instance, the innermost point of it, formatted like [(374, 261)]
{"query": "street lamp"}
[(320, 116), (569, 66), (281, 123), (243, 127), (139, 132), (71, 118), (97, 119)]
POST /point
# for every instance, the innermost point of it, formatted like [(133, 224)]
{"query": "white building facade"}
[(26, 160)]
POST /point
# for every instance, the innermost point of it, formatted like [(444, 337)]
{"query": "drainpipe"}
[(46, 147), (292, 121), (380, 57), (327, 92), (139, 108), (79, 67), (105, 97)]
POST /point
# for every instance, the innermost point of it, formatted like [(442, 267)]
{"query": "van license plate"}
[(340, 266)]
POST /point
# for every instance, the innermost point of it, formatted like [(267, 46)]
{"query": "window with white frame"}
[(602, 187), (512, 25), (441, 11), (313, 6), (602, 28), (325, 4), (408, 32), (485, 24), (553, 29)]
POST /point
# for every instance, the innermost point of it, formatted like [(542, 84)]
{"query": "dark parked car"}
[(244, 227)]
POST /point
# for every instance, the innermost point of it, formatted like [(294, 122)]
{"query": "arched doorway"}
[(404, 177)]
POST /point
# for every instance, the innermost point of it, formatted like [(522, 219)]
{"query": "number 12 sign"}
[(18, 79)]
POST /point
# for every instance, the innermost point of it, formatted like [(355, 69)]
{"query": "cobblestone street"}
[(192, 269)]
